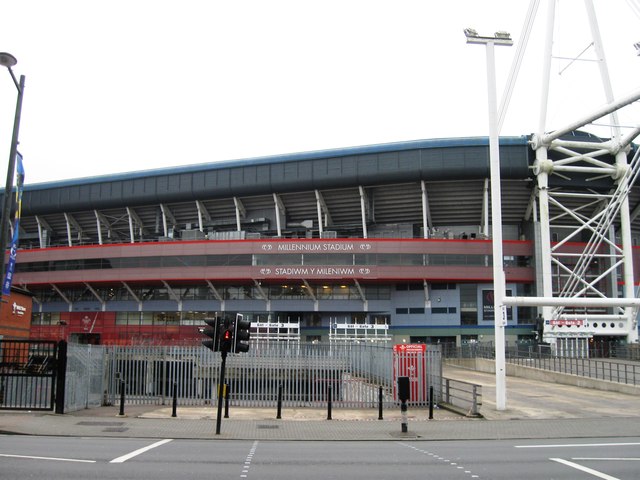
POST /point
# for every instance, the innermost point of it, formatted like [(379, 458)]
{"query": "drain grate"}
[(100, 424), (115, 429), (268, 427)]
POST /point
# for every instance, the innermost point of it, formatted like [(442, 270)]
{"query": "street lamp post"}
[(8, 60), (499, 282)]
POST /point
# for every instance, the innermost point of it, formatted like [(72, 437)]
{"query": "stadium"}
[(385, 243)]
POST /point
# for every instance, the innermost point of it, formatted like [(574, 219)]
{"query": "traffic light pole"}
[(223, 365)]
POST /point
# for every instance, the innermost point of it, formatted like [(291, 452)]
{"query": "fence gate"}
[(28, 370)]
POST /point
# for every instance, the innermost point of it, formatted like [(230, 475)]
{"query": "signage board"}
[(567, 323)]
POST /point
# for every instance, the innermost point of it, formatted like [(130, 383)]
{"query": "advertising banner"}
[(488, 306), (13, 251)]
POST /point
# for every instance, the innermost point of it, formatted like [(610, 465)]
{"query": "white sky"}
[(125, 85)]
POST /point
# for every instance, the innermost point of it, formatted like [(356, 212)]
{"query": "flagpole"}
[(9, 61)]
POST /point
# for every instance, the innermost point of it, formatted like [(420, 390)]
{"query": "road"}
[(134, 458)]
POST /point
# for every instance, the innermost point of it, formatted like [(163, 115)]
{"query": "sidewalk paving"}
[(534, 410)]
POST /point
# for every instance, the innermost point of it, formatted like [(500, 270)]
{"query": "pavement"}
[(535, 409)]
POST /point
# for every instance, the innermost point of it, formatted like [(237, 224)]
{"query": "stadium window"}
[(122, 318), (439, 310), (443, 286), (402, 311), (416, 311)]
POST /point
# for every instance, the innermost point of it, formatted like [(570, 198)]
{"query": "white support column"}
[(173, 295), (134, 218), (240, 212), (499, 283), (43, 226), (168, 220), (102, 220), (99, 228), (426, 214), (133, 294), (365, 302), (427, 295), (499, 287), (63, 296), (71, 222), (543, 168), (485, 209), (203, 214), (546, 67), (363, 210), (263, 294), (324, 216), (319, 210), (280, 212), (309, 291), (103, 304), (627, 248), (217, 294)]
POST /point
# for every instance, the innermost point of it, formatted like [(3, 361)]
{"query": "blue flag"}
[(13, 252)]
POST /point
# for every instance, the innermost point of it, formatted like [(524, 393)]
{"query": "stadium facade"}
[(383, 243)]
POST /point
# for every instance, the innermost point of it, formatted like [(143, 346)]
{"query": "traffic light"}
[(226, 337), (212, 330), (241, 335)]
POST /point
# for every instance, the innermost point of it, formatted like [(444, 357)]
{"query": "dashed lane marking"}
[(247, 461), (446, 460)]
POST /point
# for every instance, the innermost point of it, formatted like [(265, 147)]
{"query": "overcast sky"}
[(125, 85)]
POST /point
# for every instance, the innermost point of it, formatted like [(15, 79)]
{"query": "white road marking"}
[(135, 453), (47, 458), (591, 471), (247, 462), (578, 445), (608, 459)]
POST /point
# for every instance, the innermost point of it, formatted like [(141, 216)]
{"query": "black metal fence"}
[(28, 373)]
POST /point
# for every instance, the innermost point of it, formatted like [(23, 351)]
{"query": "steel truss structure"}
[(579, 287)]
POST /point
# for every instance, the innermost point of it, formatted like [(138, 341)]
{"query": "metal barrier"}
[(28, 370), (463, 396), (624, 372), (305, 372), (617, 370), (84, 383)]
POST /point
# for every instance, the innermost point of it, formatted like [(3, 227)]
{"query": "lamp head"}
[(470, 32), (7, 60)]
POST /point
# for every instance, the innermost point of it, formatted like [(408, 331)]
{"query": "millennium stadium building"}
[(383, 243)]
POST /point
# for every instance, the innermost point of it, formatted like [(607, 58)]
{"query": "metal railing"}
[(619, 370), (353, 373), (463, 396)]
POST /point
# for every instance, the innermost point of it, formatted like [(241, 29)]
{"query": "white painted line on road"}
[(47, 458), (247, 462), (578, 445), (608, 459), (135, 453), (591, 471)]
